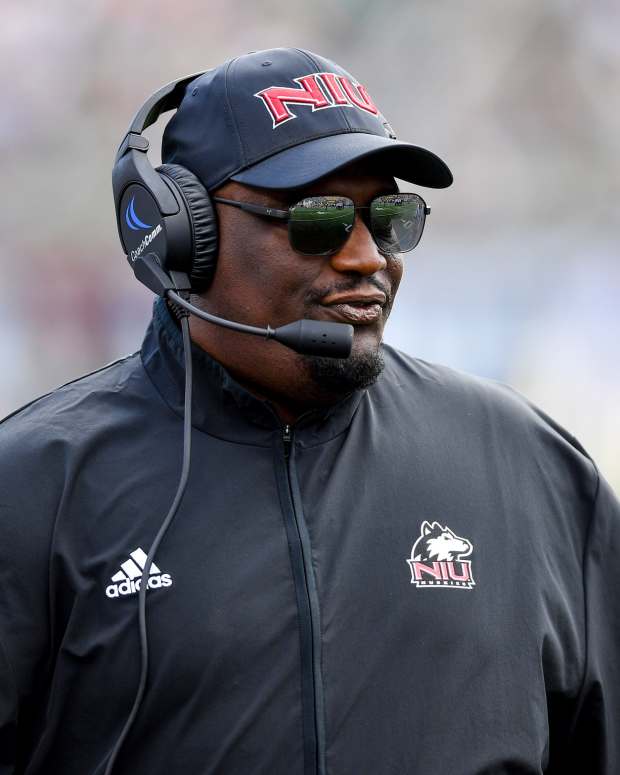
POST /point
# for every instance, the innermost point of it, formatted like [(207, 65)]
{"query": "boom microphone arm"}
[(309, 337)]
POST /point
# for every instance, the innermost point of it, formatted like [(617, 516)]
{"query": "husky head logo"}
[(439, 543), (437, 558)]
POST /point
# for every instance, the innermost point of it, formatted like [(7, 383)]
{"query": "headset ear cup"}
[(203, 224)]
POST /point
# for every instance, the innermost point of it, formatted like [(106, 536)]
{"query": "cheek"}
[(285, 282), (249, 249), (395, 268), (268, 255), (259, 262), (282, 273), (394, 271)]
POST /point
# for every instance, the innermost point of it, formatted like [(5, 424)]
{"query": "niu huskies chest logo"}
[(436, 558), (320, 91)]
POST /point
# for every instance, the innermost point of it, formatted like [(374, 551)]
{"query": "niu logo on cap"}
[(436, 558), (320, 90)]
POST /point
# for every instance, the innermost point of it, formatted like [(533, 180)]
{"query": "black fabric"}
[(204, 224), (288, 631)]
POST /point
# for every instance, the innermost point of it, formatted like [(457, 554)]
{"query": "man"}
[(379, 566)]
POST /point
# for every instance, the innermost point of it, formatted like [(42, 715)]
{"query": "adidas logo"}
[(127, 580)]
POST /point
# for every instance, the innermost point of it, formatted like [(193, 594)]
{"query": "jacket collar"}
[(220, 405)]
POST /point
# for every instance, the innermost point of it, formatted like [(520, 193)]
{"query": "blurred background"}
[(517, 276)]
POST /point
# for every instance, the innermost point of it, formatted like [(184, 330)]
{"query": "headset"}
[(167, 225)]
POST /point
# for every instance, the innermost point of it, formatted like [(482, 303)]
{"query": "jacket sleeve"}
[(8, 714), (26, 523), (595, 741)]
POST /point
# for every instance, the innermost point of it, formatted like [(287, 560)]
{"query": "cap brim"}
[(308, 162)]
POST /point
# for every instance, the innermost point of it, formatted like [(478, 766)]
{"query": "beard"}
[(339, 376)]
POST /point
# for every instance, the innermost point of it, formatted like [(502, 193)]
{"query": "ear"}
[(426, 528)]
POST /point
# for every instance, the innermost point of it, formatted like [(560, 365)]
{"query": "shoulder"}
[(455, 401), (42, 448), (71, 411)]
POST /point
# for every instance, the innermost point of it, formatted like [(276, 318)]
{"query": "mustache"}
[(315, 295)]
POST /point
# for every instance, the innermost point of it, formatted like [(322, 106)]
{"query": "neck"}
[(266, 369), (287, 408)]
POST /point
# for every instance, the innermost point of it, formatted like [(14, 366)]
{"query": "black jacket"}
[(424, 579)]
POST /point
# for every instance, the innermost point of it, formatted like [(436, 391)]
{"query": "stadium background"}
[(517, 276)]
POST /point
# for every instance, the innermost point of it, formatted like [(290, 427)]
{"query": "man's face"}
[(261, 280)]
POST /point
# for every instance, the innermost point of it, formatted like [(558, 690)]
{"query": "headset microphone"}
[(310, 337)]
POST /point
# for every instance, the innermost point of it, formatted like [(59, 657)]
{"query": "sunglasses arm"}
[(270, 212)]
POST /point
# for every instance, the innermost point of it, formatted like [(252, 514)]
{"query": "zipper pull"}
[(286, 438)]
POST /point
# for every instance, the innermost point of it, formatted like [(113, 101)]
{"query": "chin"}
[(340, 376)]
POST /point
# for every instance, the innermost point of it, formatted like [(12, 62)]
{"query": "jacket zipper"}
[(287, 437), (303, 576)]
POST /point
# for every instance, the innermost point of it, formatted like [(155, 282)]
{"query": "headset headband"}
[(156, 197), (167, 98)]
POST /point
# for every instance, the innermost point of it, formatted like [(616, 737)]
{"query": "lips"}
[(360, 308), (377, 297), (363, 314)]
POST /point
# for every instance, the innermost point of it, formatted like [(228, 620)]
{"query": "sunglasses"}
[(320, 225)]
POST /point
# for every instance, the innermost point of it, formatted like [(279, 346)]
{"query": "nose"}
[(359, 253)]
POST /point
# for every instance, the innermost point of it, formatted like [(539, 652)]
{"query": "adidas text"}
[(127, 580), (129, 586)]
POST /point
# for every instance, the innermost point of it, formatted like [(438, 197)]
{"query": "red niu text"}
[(443, 573), (320, 91)]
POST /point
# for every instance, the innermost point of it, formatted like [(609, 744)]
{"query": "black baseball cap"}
[(284, 118)]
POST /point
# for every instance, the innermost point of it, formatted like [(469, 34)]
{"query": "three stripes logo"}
[(127, 580)]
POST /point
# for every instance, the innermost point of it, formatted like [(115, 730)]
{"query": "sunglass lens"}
[(397, 221), (320, 225)]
